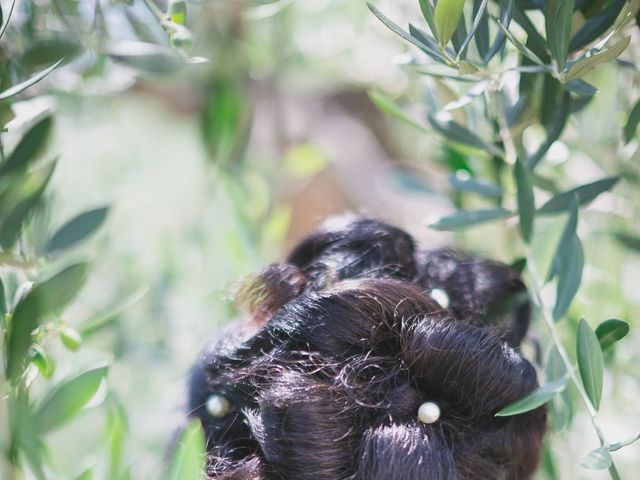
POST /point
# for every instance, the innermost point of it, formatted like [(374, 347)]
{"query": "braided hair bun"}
[(346, 344)]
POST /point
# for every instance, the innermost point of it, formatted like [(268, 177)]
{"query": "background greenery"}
[(154, 153)]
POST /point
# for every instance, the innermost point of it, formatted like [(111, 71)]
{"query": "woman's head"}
[(347, 344)]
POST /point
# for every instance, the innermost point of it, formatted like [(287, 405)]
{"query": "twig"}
[(537, 291)]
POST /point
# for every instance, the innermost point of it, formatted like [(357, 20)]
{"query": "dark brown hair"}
[(344, 345)]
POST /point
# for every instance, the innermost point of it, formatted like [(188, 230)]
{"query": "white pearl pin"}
[(218, 406), (428, 412), (440, 296)]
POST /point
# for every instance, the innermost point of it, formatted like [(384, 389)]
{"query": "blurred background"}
[(222, 133)]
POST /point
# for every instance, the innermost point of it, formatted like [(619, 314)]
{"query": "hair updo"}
[(346, 341)]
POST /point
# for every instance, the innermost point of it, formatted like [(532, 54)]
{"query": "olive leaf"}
[(67, 399), (590, 362), (447, 16), (188, 460), (464, 219), (538, 397)]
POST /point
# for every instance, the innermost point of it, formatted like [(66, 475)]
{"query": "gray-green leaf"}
[(526, 200), (466, 218), (610, 331), (48, 296), (457, 133), (587, 64), (538, 397), (31, 144), (77, 229), (590, 363), (427, 12), (598, 459), (413, 39), (188, 460), (463, 182), (447, 16), (584, 194), (569, 277), (558, 23), (565, 242), (67, 398), (20, 87), (632, 123)]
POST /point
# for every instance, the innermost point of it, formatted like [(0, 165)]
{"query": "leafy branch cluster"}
[(528, 69)]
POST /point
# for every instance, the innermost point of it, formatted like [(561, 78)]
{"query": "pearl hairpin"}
[(429, 412), (218, 406), (440, 296)]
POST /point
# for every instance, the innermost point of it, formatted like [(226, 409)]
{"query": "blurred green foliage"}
[(114, 258)]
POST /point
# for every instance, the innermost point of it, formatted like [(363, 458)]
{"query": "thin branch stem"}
[(537, 292), (511, 156)]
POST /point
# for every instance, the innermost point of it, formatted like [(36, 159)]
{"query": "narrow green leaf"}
[(558, 23), (586, 65), (31, 144), (569, 277), (3, 300), (463, 182), (617, 446), (116, 433), (457, 133), (482, 31), (389, 107), (458, 38), (584, 193), (598, 459), (50, 295), (6, 22), (610, 331), (427, 12), (526, 200), (564, 244), (499, 42), (28, 196), (466, 218), (554, 129), (538, 397), (524, 50), (22, 86), (447, 16), (596, 26), (535, 42), (77, 229), (413, 39), (102, 319), (632, 123), (581, 88), (590, 363), (57, 291), (188, 460), (42, 52), (429, 45), (474, 26), (67, 399)]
